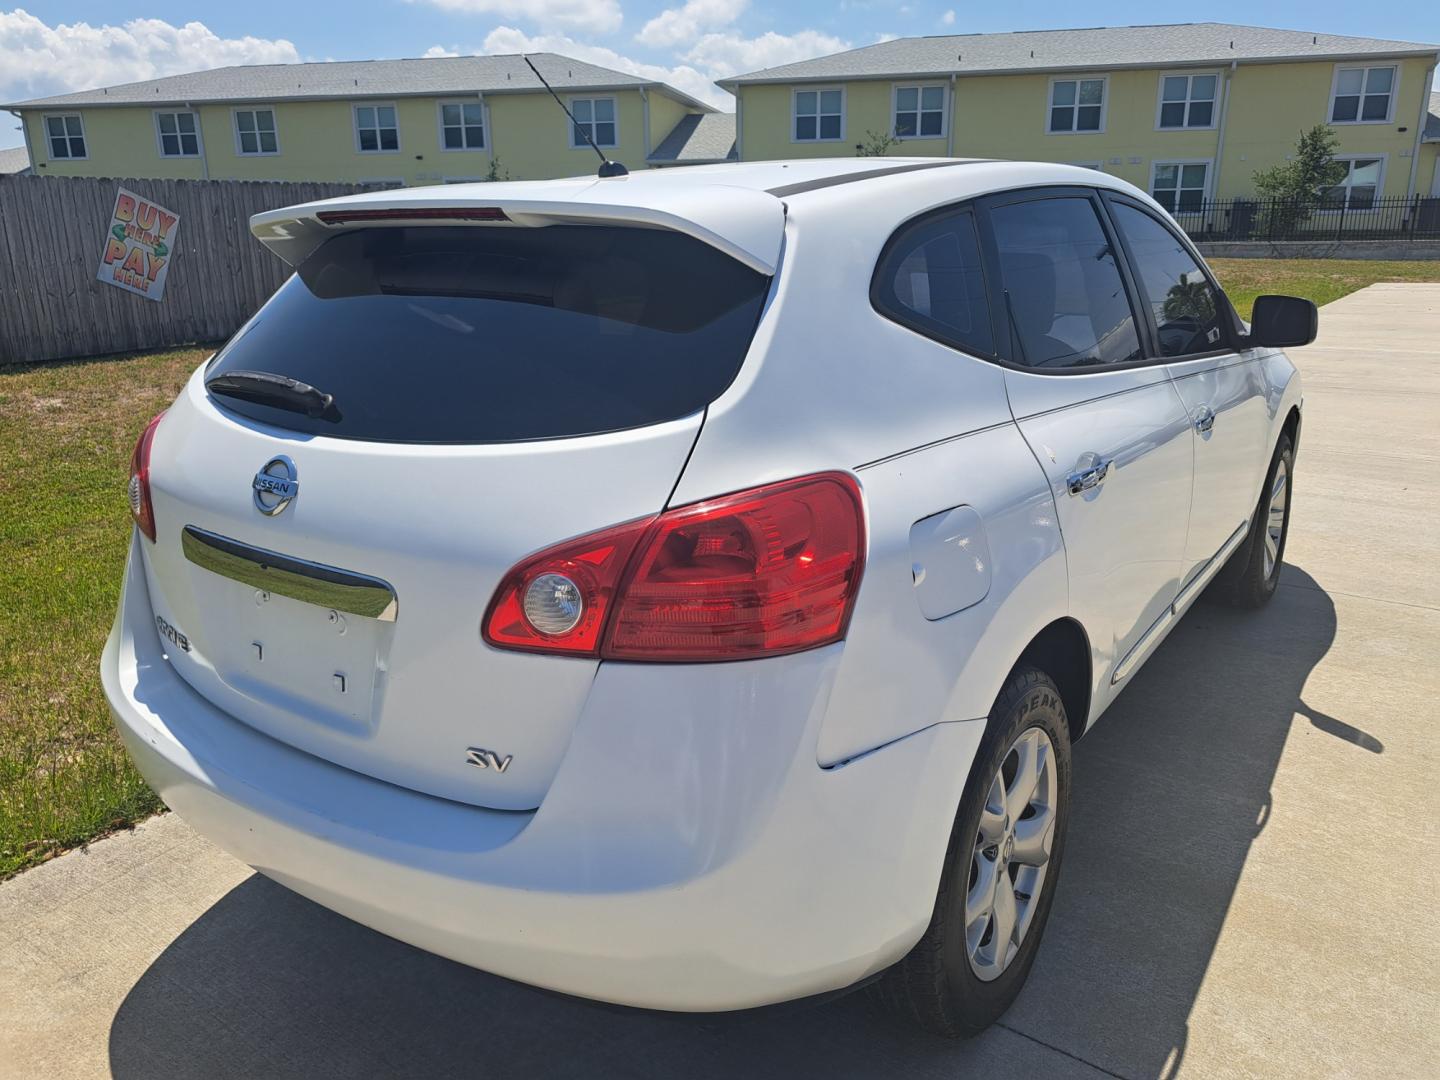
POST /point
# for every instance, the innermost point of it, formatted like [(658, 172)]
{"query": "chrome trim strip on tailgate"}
[(299, 579)]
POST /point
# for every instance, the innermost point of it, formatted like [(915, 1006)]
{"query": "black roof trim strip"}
[(870, 174)]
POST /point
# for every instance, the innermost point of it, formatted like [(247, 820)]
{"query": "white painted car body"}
[(679, 836)]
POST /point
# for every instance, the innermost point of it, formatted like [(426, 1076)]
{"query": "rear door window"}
[(930, 278), (1067, 300), (501, 334), (1182, 301)]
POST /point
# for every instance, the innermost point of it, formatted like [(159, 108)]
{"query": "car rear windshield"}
[(488, 334)]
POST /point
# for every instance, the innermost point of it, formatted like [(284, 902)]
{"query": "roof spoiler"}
[(745, 224)]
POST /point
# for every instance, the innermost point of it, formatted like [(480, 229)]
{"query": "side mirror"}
[(1283, 321)]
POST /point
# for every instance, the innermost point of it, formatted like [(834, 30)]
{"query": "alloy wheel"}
[(1012, 854), (1275, 520)]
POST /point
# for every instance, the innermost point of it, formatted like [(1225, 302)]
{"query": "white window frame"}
[(1104, 80), (1206, 193), (919, 88), (1350, 159), (796, 91), (1189, 76), (45, 119), (355, 107), (160, 140), (235, 127), (1360, 109), (484, 125), (581, 144)]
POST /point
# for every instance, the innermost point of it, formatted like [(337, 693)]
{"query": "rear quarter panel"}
[(829, 384)]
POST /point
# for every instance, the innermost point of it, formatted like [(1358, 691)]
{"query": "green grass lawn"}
[(66, 432), (1321, 280)]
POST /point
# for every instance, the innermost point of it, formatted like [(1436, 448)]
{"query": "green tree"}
[(1293, 186), (495, 172), (875, 144)]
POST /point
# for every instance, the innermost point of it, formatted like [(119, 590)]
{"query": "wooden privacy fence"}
[(53, 232)]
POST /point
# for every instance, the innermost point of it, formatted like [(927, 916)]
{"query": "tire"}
[(937, 985), (1250, 577)]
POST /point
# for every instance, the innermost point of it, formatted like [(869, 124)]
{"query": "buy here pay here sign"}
[(139, 245)]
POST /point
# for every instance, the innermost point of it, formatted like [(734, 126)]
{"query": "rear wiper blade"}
[(280, 391)]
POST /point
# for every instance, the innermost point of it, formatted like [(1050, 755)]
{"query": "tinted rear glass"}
[(1067, 299), (499, 334), (930, 279)]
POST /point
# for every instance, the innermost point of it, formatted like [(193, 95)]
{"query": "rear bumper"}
[(690, 854)]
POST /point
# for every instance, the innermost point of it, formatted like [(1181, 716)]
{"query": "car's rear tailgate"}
[(403, 698)]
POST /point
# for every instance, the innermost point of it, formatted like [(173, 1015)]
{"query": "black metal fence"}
[(1319, 220)]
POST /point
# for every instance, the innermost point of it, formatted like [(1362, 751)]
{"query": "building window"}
[(919, 112), (255, 132), (376, 131), (1179, 186), (179, 134), (1364, 178), (1187, 101), (819, 115), (1362, 95), (66, 135), (1077, 105), (462, 125), (595, 117)]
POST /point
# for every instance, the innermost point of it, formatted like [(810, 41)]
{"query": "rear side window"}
[(1067, 300), (1181, 299), (500, 334), (930, 279)]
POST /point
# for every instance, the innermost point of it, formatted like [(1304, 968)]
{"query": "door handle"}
[(1204, 419), (1089, 477)]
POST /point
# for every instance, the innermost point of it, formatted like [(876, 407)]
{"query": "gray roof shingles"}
[(698, 139), (14, 161), (1432, 121), (1100, 47), (361, 78)]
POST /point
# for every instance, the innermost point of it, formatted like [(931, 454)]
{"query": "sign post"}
[(139, 246)]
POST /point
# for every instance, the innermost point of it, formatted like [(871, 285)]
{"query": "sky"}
[(49, 48)]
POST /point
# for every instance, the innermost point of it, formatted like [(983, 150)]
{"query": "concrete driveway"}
[(1250, 888)]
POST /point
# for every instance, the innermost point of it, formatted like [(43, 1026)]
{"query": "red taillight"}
[(758, 573), (414, 213), (591, 564), (141, 509)]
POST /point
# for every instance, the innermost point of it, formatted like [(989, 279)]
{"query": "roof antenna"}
[(608, 168)]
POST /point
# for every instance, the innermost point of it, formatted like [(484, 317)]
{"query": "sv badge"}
[(487, 759)]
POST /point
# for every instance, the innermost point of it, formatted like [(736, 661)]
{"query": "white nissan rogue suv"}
[(684, 589)]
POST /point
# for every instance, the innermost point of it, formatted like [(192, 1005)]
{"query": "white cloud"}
[(677, 26), (698, 84), (731, 54), (37, 60), (948, 19), (439, 50), (597, 16)]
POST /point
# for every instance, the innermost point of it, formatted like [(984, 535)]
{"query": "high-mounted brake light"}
[(141, 509), (758, 573), (430, 213)]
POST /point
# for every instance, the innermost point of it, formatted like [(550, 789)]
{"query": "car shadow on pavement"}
[(1171, 788)]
